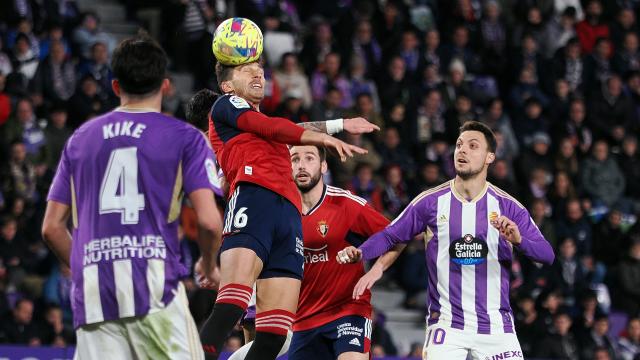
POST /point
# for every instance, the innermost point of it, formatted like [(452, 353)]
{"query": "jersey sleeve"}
[(235, 112), (60, 189), (367, 222), (408, 224), (198, 165), (533, 245)]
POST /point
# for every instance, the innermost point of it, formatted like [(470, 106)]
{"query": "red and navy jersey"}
[(251, 147), (340, 219)]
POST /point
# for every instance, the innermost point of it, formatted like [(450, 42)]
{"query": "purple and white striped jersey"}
[(124, 175), (468, 261)]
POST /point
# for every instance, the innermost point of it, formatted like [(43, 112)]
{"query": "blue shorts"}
[(257, 218), (347, 334)]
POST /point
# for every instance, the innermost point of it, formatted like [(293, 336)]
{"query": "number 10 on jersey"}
[(119, 189)]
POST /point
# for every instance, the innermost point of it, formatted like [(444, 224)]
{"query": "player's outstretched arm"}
[(374, 274), (55, 232), (353, 126), (338, 146), (209, 233)]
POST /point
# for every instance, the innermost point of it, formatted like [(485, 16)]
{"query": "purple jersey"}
[(124, 175), (468, 261)]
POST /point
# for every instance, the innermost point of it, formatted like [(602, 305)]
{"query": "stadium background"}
[(558, 81)]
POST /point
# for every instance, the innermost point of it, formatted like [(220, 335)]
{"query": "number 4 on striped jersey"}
[(119, 189)]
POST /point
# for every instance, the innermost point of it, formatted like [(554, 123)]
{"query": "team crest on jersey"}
[(238, 102), (468, 250), (493, 216), (323, 228)]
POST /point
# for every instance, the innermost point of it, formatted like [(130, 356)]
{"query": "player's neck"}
[(151, 103), (312, 197), (470, 188)]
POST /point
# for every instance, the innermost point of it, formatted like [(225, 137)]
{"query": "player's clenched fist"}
[(508, 229), (349, 255)]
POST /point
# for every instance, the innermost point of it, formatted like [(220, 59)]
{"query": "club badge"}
[(323, 228)]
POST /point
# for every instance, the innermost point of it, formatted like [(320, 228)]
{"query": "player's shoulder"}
[(432, 192), (504, 197), (342, 196), (228, 102)]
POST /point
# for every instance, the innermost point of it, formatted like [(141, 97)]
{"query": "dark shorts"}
[(267, 223), (346, 334)]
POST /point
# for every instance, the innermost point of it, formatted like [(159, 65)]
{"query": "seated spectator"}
[(359, 84), (328, 76), (560, 344), (493, 35), (560, 102), (317, 46), (629, 343), (343, 172), (55, 79), (19, 174), (566, 160), (54, 33), (395, 196), (380, 336), (454, 84), (592, 27), (612, 111), (501, 175), (543, 221), (20, 328), (364, 186), (456, 116), (530, 59), (609, 241), (365, 107), (366, 47), (568, 65), (562, 190), (56, 134), (627, 58), (431, 52), (528, 325), (85, 103), (527, 88), (330, 107), (25, 127), (625, 23), (393, 152), (576, 129), (429, 176), (430, 118), (89, 33), (409, 51), (597, 339), (576, 226), (5, 61), (569, 274), (59, 334), (629, 163), (498, 120), (536, 156), (558, 31), (395, 86), (597, 66), (272, 93), (23, 59), (629, 280), (460, 49), (292, 107), (99, 68), (600, 177), (25, 26), (290, 76)]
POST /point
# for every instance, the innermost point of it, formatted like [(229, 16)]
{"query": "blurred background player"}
[(472, 228), (263, 230), (121, 180)]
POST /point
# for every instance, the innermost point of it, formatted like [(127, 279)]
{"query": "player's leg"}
[(167, 334), (445, 344), (500, 346), (239, 268), (310, 345), (96, 340), (277, 301), (351, 337), (241, 353)]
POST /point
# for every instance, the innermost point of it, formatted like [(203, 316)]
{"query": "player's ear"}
[(165, 86), (491, 157), (226, 87), (115, 85), (323, 167)]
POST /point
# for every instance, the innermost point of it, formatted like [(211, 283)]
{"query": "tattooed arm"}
[(352, 126)]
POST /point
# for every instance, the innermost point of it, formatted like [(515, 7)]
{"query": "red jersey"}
[(251, 147), (340, 219)]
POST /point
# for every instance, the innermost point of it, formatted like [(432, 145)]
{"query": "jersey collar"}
[(324, 194), (462, 198)]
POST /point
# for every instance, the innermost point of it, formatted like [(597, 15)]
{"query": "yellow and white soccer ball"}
[(237, 41)]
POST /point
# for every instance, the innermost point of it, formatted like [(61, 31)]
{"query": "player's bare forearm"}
[(209, 225), (55, 232), (318, 126), (385, 261)]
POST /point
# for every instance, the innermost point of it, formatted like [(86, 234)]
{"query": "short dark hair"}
[(139, 64), (484, 129), (223, 73), (198, 108)]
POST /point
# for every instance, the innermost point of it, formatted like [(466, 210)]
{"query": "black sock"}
[(266, 346), (217, 327)]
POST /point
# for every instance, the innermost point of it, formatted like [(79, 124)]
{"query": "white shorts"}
[(444, 343), (170, 333)]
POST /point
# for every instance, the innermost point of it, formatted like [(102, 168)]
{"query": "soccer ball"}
[(237, 41)]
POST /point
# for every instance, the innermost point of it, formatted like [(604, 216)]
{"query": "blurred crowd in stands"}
[(558, 82)]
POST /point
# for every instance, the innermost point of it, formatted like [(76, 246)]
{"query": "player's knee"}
[(235, 294)]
